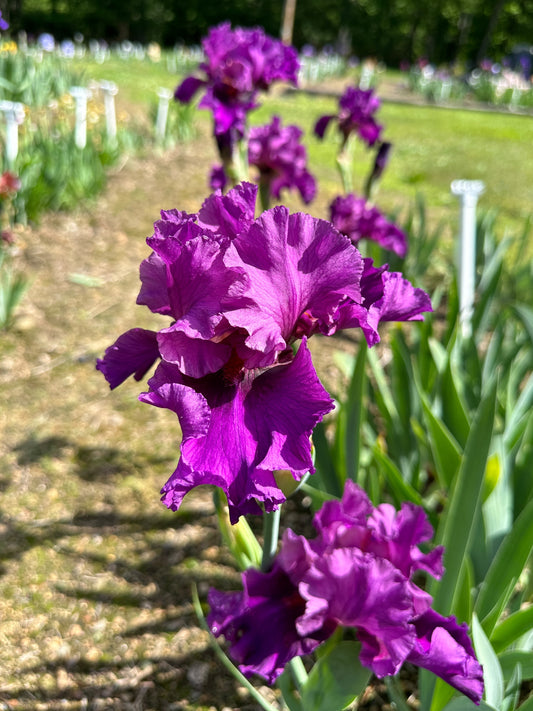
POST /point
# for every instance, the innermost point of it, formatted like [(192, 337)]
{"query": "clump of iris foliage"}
[(419, 471), (490, 82), (13, 282), (56, 174)]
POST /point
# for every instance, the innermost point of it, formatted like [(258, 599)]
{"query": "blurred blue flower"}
[(46, 42), (67, 48)]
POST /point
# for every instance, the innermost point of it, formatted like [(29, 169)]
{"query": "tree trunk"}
[(287, 22), (485, 42)]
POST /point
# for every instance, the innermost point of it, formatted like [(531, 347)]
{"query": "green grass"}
[(138, 80), (432, 145)]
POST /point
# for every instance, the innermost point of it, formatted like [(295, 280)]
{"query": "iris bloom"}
[(357, 573), (239, 63), (358, 219), (240, 293), (280, 159), (356, 115)]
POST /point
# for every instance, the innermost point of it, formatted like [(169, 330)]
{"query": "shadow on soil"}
[(156, 560)]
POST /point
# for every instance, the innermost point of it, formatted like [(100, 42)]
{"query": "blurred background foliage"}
[(442, 30)]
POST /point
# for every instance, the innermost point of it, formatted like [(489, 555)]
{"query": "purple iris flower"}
[(269, 603), (218, 178), (356, 115), (3, 24), (239, 292), (280, 159), (239, 63), (357, 573), (358, 219)]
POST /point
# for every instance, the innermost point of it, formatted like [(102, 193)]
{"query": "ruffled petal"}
[(386, 296), (296, 265), (444, 648), (154, 289), (133, 353), (193, 356), (229, 214), (368, 593), (260, 623), (401, 301), (256, 426)]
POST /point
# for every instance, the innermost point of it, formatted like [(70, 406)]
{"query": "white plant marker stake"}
[(162, 113), (14, 114), (468, 191), (367, 74), (80, 94), (110, 90)]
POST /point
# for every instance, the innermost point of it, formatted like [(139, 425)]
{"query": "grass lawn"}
[(432, 145)]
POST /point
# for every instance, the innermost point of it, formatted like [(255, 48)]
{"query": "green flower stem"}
[(264, 194), (270, 538), (299, 674), (395, 693), (235, 161), (239, 537), (345, 163), (226, 661), (239, 162)]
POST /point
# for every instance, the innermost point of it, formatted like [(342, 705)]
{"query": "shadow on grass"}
[(169, 683), (96, 465), (89, 463), (17, 537), (121, 565)]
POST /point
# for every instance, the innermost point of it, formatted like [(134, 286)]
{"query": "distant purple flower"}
[(356, 115), (358, 219), (281, 159), (357, 573), (218, 178), (239, 292), (525, 65), (3, 24), (239, 63)]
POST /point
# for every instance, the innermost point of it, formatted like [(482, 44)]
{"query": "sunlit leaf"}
[(492, 671), (336, 679)]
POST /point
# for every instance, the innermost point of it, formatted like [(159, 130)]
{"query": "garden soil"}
[(95, 573)]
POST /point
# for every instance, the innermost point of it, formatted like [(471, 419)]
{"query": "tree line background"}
[(443, 31)]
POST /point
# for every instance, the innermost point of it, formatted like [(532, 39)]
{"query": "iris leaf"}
[(336, 679)]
